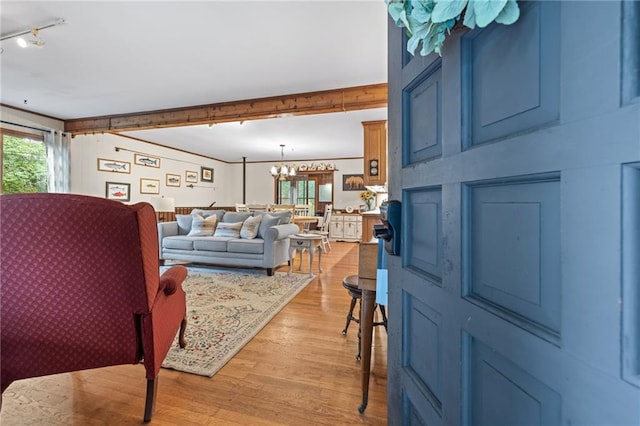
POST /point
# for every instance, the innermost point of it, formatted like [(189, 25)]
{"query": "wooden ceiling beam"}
[(346, 99)]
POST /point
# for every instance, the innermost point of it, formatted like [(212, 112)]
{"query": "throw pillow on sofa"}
[(207, 213), (202, 227), (285, 217), (267, 222), (184, 223), (228, 229), (250, 227), (234, 217)]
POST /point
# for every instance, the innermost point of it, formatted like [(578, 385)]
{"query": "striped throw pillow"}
[(228, 229)]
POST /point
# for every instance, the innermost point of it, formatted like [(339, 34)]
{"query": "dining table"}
[(304, 222)]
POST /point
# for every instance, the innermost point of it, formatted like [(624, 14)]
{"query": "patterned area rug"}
[(226, 309)]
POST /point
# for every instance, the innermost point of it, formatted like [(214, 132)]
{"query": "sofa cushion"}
[(178, 242), (267, 222), (201, 227), (254, 246), (250, 227), (233, 217), (207, 213), (211, 244), (184, 223), (226, 229)]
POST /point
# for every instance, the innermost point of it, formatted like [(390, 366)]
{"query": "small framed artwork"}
[(118, 191), (149, 186), (206, 174), (146, 160), (172, 180), (116, 166), (190, 176), (353, 182)]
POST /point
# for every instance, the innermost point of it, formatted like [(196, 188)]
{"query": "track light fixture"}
[(23, 42), (35, 33)]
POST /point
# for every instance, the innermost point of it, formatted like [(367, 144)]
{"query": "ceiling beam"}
[(346, 99)]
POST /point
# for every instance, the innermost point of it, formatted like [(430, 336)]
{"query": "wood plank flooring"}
[(299, 370)]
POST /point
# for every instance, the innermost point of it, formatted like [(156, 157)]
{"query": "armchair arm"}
[(171, 279), (160, 326)]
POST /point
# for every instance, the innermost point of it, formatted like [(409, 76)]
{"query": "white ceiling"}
[(120, 57)]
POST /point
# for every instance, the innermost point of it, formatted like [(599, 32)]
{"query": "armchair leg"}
[(183, 327), (152, 387)]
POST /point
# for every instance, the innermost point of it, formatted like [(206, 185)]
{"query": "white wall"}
[(87, 180), (261, 187), (225, 191)]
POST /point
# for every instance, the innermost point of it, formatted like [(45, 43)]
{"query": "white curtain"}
[(58, 156)]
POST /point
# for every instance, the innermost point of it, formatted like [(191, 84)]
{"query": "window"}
[(24, 163), (314, 188), (301, 189)]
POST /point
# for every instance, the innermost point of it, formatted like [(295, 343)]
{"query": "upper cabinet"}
[(375, 152)]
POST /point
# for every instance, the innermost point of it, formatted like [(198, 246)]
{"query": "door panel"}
[(516, 155), (509, 272), (524, 63)]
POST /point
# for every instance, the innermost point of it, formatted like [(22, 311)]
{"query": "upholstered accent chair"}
[(80, 288)]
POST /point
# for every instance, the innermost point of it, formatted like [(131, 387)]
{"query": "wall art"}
[(206, 174), (116, 166), (172, 180), (190, 176), (353, 182), (149, 186), (118, 191), (146, 160)]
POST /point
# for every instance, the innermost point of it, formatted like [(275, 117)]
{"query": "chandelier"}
[(282, 172)]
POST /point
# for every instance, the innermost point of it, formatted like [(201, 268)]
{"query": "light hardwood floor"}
[(299, 370)]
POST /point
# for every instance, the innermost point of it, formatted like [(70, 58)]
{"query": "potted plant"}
[(430, 21)]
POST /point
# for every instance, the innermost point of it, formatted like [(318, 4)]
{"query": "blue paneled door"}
[(516, 155)]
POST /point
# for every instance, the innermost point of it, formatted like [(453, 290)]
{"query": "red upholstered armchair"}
[(80, 288)]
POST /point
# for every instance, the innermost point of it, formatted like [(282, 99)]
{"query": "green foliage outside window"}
[(24, 165)]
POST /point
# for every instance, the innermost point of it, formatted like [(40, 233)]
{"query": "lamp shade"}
[(163, 204)]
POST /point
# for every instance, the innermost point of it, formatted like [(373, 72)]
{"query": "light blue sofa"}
[(268, 250)]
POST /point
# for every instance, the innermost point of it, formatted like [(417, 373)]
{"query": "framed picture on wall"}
[(206, 174), (353, 182), (146, 160), (116, 166), (191, 176), (172, 180), (118, 191), (149, 186)]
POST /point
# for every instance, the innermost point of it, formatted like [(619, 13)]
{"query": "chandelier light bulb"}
[(282, 171)]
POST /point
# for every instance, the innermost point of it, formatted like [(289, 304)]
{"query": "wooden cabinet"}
[(368, 220), (345, 227), (375, 152)]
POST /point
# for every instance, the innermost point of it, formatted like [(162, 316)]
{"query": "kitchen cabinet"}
[(368, 220), (345, 227), (375, 152)]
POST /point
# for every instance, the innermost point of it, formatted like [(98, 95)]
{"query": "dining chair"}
[(324, 227)]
